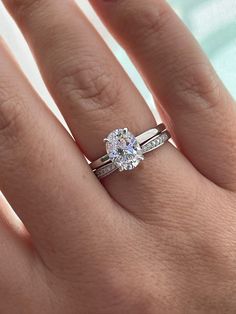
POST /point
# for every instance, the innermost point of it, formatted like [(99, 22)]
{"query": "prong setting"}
[(121, 168), (123, 149)]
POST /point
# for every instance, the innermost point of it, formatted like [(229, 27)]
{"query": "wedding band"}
[(125, 151)]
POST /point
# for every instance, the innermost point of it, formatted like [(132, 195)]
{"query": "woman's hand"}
[(159, 239)]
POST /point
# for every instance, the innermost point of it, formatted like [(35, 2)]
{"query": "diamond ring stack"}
[(125, 151)]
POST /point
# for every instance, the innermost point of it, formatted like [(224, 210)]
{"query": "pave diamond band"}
[(125, 151)]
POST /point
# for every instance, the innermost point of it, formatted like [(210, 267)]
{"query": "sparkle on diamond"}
[(123, 149)]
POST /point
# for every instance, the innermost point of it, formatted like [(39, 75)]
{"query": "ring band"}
[(125, 151)]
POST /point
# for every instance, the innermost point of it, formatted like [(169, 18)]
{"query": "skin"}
[(159, 239)]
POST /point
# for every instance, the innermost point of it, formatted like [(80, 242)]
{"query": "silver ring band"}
[(143, 143)]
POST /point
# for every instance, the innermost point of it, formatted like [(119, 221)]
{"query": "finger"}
[(88, 85), (42, 173), (92, 90), (14, 240), (16, 259), (200, 111)]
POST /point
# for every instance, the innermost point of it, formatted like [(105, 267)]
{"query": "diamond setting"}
[(123, 149), (155, 142)]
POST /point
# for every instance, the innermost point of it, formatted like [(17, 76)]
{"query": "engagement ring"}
[(125, 151)]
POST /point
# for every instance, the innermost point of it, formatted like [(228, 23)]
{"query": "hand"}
[(158, 239)]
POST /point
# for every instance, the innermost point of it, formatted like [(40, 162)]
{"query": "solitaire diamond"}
[(123, 149)]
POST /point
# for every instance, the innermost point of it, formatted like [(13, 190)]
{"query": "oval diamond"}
[(123, 149)]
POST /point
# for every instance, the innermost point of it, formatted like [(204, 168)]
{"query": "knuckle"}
[(91, 88), (153, 23), (143, 23), (10, 114), (198, 83)]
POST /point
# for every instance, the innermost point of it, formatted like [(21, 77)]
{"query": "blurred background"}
[(213, 23)]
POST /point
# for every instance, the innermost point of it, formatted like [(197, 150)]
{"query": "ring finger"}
[(94, 93)]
